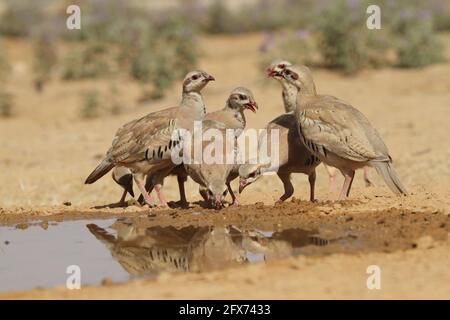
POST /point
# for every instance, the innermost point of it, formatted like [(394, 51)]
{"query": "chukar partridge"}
[(145, 145), (339, 134), (214, 171), (230, 117), (294, 157), (289, 95)]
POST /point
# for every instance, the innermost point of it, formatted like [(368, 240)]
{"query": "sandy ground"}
[(46, 151)]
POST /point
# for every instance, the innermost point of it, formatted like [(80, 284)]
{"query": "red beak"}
[(252, 105), (274, 73), (218, 202)]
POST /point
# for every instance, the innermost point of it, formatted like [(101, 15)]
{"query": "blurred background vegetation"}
[(156, 42)]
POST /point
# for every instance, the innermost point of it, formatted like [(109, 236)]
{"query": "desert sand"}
[(47, 150)]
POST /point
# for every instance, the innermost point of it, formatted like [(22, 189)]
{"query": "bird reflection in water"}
[(143, 250)]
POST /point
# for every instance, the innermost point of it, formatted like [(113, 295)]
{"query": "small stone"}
[(259, 205), (6, 242), (22, 226), (44, 225), (67, 203)]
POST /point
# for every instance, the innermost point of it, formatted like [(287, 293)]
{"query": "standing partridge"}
[(289, 95), (145, 145), (339, 134)]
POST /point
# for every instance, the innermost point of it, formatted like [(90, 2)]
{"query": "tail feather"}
[(102, 235), (103, 168), (390, 177)]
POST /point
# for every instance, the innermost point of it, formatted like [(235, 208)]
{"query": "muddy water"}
[(38, 255)]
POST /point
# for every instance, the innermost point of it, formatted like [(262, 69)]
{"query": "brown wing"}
[(146, 138), (341, 129)]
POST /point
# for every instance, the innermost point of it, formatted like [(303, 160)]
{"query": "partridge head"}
[(276, 67), (242, 98), (217, 190), (248, 173), (196, 80), (299, 76)]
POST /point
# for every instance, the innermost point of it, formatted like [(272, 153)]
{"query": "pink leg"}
[(347, 185), (233, 196), (139, 179), (332, 172), (161, 197), (366, 177)]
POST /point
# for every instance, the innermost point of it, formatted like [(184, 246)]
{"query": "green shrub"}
[(298, 47), (262, 15), (90, 61), (115, 105), (5, 67), (181, 41), (45, 58), (156, 55), (344, 40), (442, 20), (415, 42), (20, 17), (90, 105), (153, 47), (219, 18)]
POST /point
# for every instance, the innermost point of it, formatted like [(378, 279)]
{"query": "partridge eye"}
[(242, 97), (194, 77), (281, 66)]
